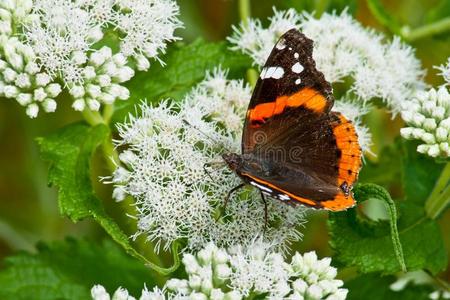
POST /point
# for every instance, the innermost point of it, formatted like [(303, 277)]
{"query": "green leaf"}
[(419, 173), (185, 66), (69, 152), (438, 12), (367, 245), (386, 170), (69, 269), (376, 287)]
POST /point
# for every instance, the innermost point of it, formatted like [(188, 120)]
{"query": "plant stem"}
[(244, 14), (439, 198), (426, 30), (108, 112), (111, 155), (244, 11), (365, 191), (93, 117)]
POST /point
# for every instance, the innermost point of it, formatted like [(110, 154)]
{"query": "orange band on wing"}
[(347, 142), (308, 97), (340, 202)]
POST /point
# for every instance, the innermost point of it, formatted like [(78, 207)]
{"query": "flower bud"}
[(93, 104), (53, 90), (39, 95), (32, 110), (49, 105), (142, 63), (23, 81), (24, 99), (42, 79), (77, 91)]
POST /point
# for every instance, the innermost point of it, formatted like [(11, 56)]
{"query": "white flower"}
[(98, 292), (165, 172), (420, 278), (256, 271), (147, 25), (20, 78), (445, 71), (342, 49), (57, 44), (427, 116)]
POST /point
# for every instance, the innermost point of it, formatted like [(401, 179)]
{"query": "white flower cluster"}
[(428, 118), (164, 171), (215, 273), (343, 48), (98, 292), (49, 41), (20, 76)]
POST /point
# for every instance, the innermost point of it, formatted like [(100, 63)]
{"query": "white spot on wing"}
[(261, 187), (297, 68), (284, 197), (280, 45), (296, 55), (298, 81), (272, 72)]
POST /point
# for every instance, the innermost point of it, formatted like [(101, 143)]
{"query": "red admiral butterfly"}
[(293, 147)]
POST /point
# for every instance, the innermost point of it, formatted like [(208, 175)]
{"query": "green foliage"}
[(185, 66), (440, 11), (367, 245), (383, 17), (319, 7), (68, 270), (387, 170), (69, 153), (376, 287), (419, 173)]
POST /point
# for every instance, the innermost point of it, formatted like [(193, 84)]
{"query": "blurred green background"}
[(28, 207)]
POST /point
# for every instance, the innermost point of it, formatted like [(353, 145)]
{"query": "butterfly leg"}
[(265, 211), (216, 164), (230, 193)]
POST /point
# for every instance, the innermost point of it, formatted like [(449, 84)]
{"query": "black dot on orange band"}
[(349, 172)]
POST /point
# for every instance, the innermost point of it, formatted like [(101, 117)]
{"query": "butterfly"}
[(294, 148)]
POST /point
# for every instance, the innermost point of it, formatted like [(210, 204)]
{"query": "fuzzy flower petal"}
[(147, 25), (445, 71), (168, 148)]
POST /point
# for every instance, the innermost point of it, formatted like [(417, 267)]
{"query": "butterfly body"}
[(293, 147)]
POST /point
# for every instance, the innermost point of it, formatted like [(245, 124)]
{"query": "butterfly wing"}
[(289, 79), (310, 155)]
